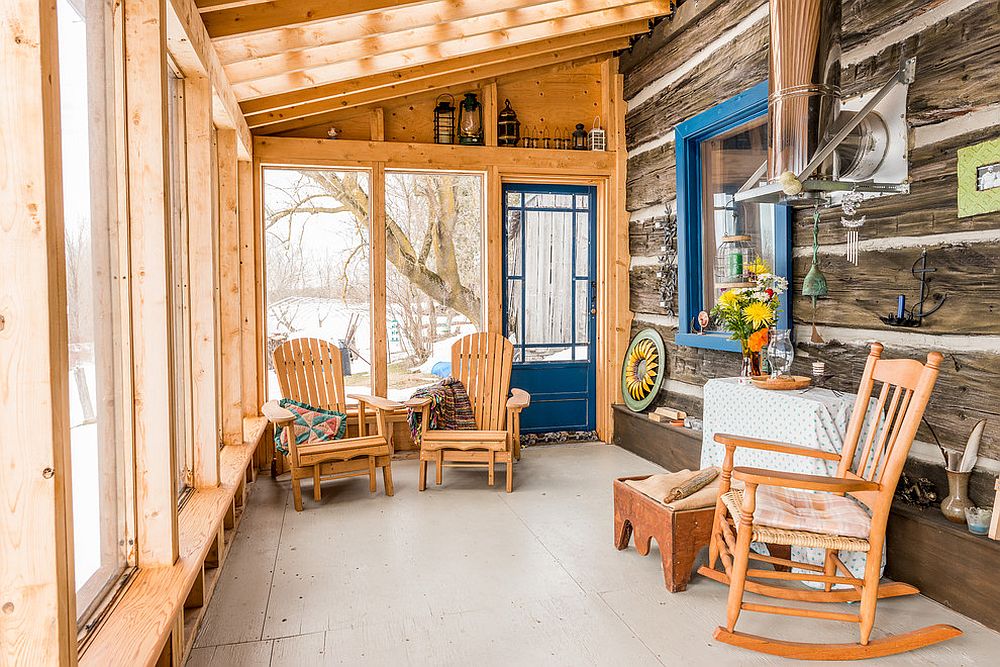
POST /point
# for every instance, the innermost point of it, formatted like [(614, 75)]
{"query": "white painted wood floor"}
[(463, 574)]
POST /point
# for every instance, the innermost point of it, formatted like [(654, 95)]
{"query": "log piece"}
[(651, 177)]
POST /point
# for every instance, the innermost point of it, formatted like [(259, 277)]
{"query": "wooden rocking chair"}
[(872, 481), (309, 371), (482, 362)]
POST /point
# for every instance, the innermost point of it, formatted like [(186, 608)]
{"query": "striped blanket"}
[(450, 408)]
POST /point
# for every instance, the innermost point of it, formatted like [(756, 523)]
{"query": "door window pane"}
[(98, 461), (317, 265), (434, 273)]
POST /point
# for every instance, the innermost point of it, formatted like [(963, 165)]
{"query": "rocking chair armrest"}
[(773, 446), (377, 402), (276, 414), (519, 399), (417, 403), (794, 480)]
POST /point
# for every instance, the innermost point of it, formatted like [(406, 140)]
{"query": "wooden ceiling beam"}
[(555, 48), (465, 30), (296, 38), (280, 13), (326, 111), (592, 28), (216, 5)]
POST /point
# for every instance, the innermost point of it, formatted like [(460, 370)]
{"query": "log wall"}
[(713, 50)]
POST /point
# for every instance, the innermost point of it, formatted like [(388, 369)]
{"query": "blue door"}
[(550, 263)]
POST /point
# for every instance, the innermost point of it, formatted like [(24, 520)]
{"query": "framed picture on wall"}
[(979, 178)]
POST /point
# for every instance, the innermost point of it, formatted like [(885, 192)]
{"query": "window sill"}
[(708, 341), (152, 610)]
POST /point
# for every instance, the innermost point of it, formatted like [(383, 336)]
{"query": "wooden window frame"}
[(725, 116)]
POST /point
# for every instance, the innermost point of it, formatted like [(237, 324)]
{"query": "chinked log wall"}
[(712, 50)]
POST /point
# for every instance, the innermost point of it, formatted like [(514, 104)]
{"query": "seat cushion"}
[(311, 425), (824, 513)]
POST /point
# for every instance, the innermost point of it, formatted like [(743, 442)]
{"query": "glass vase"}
[(751, 363), (780, 351)]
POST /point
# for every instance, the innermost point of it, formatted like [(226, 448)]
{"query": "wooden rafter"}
[(440, 14), (592, 28), (486, 27), (551, 51), (315, 113), (279, 13)]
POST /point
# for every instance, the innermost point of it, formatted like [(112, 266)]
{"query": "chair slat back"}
[(309, 370), (483, 362), (906, 386)]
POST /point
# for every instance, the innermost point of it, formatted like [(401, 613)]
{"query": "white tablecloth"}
[(815, 418)]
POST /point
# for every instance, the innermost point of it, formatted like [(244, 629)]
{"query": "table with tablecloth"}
[(814, 417)]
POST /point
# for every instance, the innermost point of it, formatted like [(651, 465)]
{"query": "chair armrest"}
[(377, 401), (276, 414), (417, 403), (518, 400), (794, 480), (772, 446)]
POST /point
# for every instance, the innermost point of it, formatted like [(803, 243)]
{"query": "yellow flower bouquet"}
[(748, 312)]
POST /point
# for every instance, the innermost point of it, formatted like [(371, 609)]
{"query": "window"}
[(317, 265), (434, 273), (179, 269), (101, 523), (717, 152)]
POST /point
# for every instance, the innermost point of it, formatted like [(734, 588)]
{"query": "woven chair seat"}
[(795, 538)]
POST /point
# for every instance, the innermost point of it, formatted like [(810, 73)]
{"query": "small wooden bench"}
[(679, 534)]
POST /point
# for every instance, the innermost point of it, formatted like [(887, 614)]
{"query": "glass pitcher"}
[(780, 352)]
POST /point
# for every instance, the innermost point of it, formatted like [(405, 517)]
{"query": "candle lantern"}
[(597, 137), (470, 121), (579, 138), (736, 257), (508, 126), (444, 120)]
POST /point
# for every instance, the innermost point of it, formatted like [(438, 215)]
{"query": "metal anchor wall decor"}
[(913, 316)]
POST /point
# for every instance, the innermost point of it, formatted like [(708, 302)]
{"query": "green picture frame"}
[(978, 183)]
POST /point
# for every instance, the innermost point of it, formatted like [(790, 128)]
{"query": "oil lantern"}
[(579, 138), (444, 120), (470, 121), (508, 126)]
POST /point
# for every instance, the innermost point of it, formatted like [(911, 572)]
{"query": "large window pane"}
[(434, 273), (85, 73), (318, 280), (179, 269)]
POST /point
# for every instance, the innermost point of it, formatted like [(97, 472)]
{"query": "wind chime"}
[(814, 284), (850, 205)]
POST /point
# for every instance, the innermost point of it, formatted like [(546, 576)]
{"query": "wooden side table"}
[(680, 535)]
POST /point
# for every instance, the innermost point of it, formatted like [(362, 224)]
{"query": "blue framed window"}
[(717, 151)]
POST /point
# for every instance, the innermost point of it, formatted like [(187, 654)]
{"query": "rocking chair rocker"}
[(869, 478)]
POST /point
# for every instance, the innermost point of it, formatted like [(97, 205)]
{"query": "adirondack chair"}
[(870, 478), (309, 371), (482, 362)]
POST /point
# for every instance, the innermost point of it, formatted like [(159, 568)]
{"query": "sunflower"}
[(758, 267), (758, 314)]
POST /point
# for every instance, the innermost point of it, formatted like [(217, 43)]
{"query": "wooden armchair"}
[(870, 478), (309, 371), (482, 362)]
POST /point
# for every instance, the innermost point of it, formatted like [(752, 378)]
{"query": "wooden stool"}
[(680, 535)]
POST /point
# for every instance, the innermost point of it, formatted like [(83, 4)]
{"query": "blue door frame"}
[(562, 391)]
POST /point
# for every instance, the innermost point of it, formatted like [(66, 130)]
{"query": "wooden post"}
[(261, 325), (377, 124), (490, 113), (202, 267), (229, 289), (248, 299), (376, 214), (494, 251), (37, 600), (149, 215)]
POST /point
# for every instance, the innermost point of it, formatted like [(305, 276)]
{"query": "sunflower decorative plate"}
[(642, 372)]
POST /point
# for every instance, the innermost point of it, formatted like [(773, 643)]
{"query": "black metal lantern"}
[(444, 120), (470, 121), (579, 138), (508, 126)]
